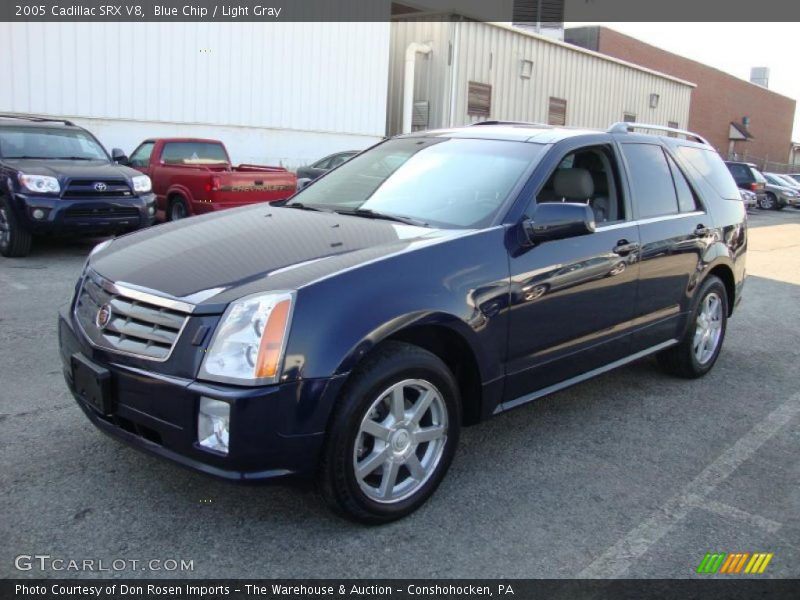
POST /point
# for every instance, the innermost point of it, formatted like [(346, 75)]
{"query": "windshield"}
[(442, 182), (46, 143)]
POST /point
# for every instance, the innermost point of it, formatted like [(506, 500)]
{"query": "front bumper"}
[(76, 216), (275, 431), (789, 201)]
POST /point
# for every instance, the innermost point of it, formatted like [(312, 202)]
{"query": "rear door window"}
[(651, 180), (193, 153)]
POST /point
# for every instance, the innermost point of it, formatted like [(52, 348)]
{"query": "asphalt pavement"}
[(633, 474)]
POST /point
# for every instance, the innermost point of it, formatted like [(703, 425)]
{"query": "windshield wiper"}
[(73, 158), (302, 206), (371, 214)]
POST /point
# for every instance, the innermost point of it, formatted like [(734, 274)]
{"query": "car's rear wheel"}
[(177, 209), (699, 349), (14, 240), (392, 436)]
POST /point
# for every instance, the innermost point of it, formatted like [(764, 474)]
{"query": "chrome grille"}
[(134, 326)]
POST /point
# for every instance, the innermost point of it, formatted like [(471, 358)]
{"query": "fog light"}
[(151, 210), (213, 424), (38, 214)]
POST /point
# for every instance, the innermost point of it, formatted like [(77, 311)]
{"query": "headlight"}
[(40, 184), (248, 345), (141, 183)]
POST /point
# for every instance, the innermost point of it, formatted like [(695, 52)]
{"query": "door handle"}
[(701, 231), (624, 247)]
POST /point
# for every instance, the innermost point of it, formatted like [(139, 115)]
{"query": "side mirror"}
[(303, 182), (558, 220), (118, 156)]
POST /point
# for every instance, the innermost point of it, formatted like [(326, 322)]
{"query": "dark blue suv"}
[(57, 179), (430, 282)]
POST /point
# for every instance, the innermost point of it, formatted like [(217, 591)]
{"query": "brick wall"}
[(718, 99)]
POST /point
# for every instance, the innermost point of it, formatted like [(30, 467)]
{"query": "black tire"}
[(177, 209), (391, 363), (14, 240), (682, 359), (773, 202)]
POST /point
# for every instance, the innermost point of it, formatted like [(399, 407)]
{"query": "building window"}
[(673, 125), (557, 112), (629, 117), (525, 69), (479, 99), (654, 98)]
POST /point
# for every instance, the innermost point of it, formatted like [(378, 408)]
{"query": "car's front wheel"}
[(14, 240), (392, 436), (699, 349)]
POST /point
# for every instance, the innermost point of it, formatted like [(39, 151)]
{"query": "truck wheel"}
[(177, 209), (392, 436), (697, 352), (14, 241)]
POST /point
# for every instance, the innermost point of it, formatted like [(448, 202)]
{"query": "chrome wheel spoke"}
[(427, 434), (398, 404), (376, 430), (421, 406), (708, 329), (415, 468), (388, 479), (372, 462)]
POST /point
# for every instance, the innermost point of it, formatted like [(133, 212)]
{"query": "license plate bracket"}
[(92, 383)]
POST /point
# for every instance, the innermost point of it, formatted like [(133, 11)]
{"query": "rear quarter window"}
[(193, 153), (708, 165)]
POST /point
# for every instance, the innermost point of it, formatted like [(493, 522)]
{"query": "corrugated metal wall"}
[(318, 77), (598, 91)]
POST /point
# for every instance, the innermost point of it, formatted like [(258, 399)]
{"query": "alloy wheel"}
[(709, 328), (400, 441)]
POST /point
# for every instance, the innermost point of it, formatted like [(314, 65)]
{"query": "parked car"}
[(748, 177), (323, 165), (57, 179), (749, 198), (194, 176), (348, 335), (779, 193), (795, 176)]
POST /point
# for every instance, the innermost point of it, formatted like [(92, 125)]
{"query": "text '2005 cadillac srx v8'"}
[(430, 282)]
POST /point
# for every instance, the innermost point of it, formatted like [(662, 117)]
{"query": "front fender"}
[(460, 283)]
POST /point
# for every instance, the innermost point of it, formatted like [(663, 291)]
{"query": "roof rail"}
[(34, 118), (525, 123), (626, 127)]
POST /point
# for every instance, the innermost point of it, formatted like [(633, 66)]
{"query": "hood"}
[(69, 169), (216, 258)]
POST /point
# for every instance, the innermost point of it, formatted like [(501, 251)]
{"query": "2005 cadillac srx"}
[(426, 284)]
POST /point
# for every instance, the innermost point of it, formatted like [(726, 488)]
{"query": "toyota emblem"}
[(103, 316), (100, 186)]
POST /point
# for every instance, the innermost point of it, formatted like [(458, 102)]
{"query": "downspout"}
[(454, 74), (413, 49)]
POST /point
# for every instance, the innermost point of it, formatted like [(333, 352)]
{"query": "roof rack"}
[(525, 123), (626, 127), (35, 118)]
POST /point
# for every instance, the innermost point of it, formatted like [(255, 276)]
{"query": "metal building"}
[(461, 71), (275, 93)]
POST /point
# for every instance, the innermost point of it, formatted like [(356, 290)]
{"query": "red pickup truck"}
[(194, 176)]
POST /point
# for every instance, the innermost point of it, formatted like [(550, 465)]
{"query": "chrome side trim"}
[(504, 406), (696, 213)]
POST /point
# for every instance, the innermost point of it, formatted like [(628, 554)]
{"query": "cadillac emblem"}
[(103, 316)]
